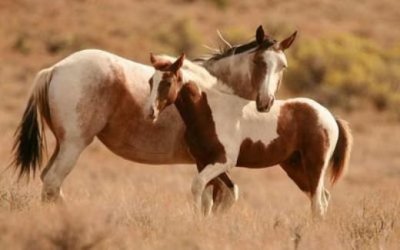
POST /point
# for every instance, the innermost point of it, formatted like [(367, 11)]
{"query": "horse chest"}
[(200, 134), (237, 120)]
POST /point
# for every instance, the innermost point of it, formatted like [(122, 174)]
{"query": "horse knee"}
[(207, 200), (318, 211), (235, 192), (52, 194), (51, 190), (319, 205), (198, 186), (50, 162), (327, 195), (325, 199)]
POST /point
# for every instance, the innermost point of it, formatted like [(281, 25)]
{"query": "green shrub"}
[(180, 36), (237, 35), (21, 43), (344, 70), (58, 43), (220, 4)]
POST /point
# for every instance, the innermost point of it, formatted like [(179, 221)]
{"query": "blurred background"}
[(346, 56), (347, 53)]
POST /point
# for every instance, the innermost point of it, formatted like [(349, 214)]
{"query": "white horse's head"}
[(164, 84)]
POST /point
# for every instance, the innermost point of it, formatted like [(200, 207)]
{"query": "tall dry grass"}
[(125, 207)]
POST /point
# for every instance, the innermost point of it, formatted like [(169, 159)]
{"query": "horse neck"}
[(234, 72), (193, 107), (196, 105)]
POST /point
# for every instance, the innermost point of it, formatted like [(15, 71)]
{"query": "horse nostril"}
[(151, 113), (271, 101), (261, 108)]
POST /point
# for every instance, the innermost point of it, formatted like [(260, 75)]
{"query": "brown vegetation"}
[(115, 204)]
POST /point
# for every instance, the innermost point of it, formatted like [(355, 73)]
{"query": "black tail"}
[(29, 136), (28, 142)]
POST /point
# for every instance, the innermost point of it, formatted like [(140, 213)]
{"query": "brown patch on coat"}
[(125, 129), (300, 148), (200, 132)]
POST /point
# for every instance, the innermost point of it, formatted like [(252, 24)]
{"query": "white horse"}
[(95, 93), (223, 131)]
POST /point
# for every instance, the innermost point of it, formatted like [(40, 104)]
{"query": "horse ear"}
[(159, 64), (177, 64), (260, 35), (285, 44), (153, 59)]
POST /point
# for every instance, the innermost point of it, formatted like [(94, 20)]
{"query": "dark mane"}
[(238, 49)]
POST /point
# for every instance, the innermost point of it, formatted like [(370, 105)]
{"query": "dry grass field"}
[(116, 204)]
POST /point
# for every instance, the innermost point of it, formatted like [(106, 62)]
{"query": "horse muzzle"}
[(152, 114), (265, 104)]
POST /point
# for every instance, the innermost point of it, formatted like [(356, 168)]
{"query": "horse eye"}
[(259, 62)]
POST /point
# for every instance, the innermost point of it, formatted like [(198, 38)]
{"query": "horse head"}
[(252, 70), (164, 84), (268, 66)]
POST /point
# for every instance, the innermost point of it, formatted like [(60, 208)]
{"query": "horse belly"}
[(130, 135), (255, 154)]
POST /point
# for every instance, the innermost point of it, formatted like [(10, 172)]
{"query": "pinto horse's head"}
[(269, 62), (164, 84)]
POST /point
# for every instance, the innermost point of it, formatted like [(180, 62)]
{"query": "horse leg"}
[(203, 178), (296, 171), (50, 162), (308, 176), (233, 188), (215, 197), (207, 199), (79, 106), (325, 199), (226, 193), (59, 166), (315, 168)]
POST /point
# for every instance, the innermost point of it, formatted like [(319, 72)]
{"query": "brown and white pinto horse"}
[(223, 131), (94, 93)]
